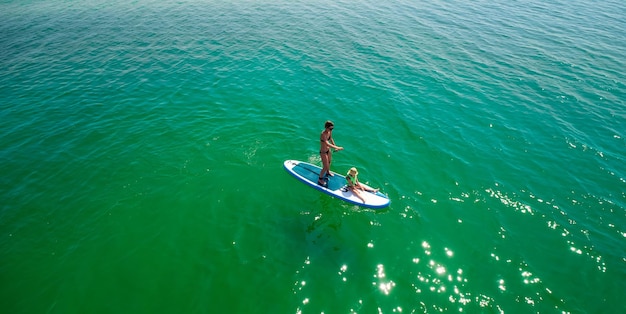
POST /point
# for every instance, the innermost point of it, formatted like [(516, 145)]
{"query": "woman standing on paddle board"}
[(326, 143)]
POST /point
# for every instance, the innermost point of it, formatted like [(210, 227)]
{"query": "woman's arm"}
[(332, 144)]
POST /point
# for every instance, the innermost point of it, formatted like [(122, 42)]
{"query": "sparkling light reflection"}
[(342, 272), (426, 247), (510, 202), (385, 286)]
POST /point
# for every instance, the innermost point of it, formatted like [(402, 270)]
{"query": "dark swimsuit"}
[(328, 150)]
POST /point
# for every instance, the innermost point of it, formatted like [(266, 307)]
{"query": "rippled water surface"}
[(142, 145)]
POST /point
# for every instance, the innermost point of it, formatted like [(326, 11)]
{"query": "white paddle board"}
[(308, 173)]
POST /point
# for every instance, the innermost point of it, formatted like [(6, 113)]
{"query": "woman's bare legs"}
[(325, 167)]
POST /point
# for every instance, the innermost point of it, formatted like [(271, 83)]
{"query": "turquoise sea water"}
[(142, 142)]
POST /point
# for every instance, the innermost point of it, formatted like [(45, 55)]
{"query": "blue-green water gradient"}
[(142, 143)]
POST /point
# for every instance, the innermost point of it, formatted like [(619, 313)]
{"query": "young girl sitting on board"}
[(355, 186)]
